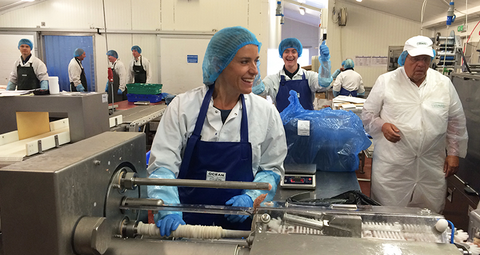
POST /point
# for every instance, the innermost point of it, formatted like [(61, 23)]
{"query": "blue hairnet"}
[(222, 48), (290, 43), (78, 52), (348, 63), (137, 48), (403, 56), (112, 53), (25, 41), (343, 63)]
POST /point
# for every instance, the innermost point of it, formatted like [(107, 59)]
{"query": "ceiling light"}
[(302, 11), (28, 0), (359, 0)]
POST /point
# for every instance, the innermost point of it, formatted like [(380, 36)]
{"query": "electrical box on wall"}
[(342, 16)]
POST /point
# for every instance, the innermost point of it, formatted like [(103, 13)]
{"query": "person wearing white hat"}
[(419, 131)]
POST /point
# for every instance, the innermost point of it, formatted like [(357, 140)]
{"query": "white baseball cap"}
[(419, 45)]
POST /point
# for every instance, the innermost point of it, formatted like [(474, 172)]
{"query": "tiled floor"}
[(364, 178)]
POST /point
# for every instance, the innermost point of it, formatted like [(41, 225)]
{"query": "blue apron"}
[(300, 86), (344, 92), (234, 159)]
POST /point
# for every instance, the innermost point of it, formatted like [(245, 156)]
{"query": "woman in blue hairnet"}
[(29, 72), (139, 68), (293, 77), (348, 82), (220, 131)]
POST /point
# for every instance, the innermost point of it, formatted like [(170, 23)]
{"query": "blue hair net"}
[(137, 48), (290, 43), (25, 41), (78, 52), (348, 63), (403, 56), (112, 53), (343, 63), (222, 48)]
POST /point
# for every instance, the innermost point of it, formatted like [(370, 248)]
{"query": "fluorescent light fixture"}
[(302, 11), (27, 0), (359, 0)]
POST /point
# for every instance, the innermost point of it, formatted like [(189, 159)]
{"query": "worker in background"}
[(293, 77), (139, 70), (119, 77), (348, 82), (76, 74), (220, 131), (418, 127), (28, 72)]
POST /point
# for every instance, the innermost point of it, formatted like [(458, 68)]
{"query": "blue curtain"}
[(58, 53)]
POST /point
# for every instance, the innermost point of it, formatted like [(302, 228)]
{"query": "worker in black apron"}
[(76, 73), (139, 73), (117, 86), (29, 72)]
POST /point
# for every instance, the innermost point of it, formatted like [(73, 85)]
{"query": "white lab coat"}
[(431, 121), (272, 82), (122, 73), (39, 68), (265, 131), (349, 80), (74, 72), (146, 67)]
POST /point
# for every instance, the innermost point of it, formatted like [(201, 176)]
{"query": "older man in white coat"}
[(418, 127)]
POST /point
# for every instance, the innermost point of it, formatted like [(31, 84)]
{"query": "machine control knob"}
[(92, 236)]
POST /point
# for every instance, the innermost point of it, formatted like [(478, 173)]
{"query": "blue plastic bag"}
[(334, 140)]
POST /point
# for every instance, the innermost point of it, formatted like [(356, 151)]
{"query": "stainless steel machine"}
[(90, 198)]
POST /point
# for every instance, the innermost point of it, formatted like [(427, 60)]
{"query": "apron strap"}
[(244, 125)]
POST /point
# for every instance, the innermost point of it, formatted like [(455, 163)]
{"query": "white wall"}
[(367, 33), (149, 15)]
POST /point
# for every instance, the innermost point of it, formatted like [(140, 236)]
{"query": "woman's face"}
[(238, 76)]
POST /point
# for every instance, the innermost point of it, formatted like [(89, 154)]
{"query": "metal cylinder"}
[(92, 236), (202, 183), (311, 223)]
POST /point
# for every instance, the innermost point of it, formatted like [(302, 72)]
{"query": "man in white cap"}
[(419, 131)]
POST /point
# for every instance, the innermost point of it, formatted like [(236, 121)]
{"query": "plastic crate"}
[(150, 98), (144, 88)]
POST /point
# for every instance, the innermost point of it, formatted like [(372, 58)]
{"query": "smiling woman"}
[(222, 132)]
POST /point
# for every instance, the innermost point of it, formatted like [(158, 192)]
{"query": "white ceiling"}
[(435, 10), (9, 5)]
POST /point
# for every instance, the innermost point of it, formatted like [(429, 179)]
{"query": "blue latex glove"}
[(44, 85), (169, 223), (11, 86), (361, 94), (336, 73), (324, 52), (80, 88), (241, 201), (336, 93), (169, 194), (119, 92), (259, 88)]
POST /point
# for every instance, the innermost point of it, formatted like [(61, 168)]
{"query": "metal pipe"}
[(142, 202), (201, 183)]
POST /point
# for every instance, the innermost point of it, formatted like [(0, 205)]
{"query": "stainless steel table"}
[(87, 112)]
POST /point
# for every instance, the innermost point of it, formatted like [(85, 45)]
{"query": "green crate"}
[(144, 88)]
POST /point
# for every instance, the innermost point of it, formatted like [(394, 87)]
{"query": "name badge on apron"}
[(216, 176)]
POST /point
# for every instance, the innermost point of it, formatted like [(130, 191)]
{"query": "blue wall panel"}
[(58, 53)]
